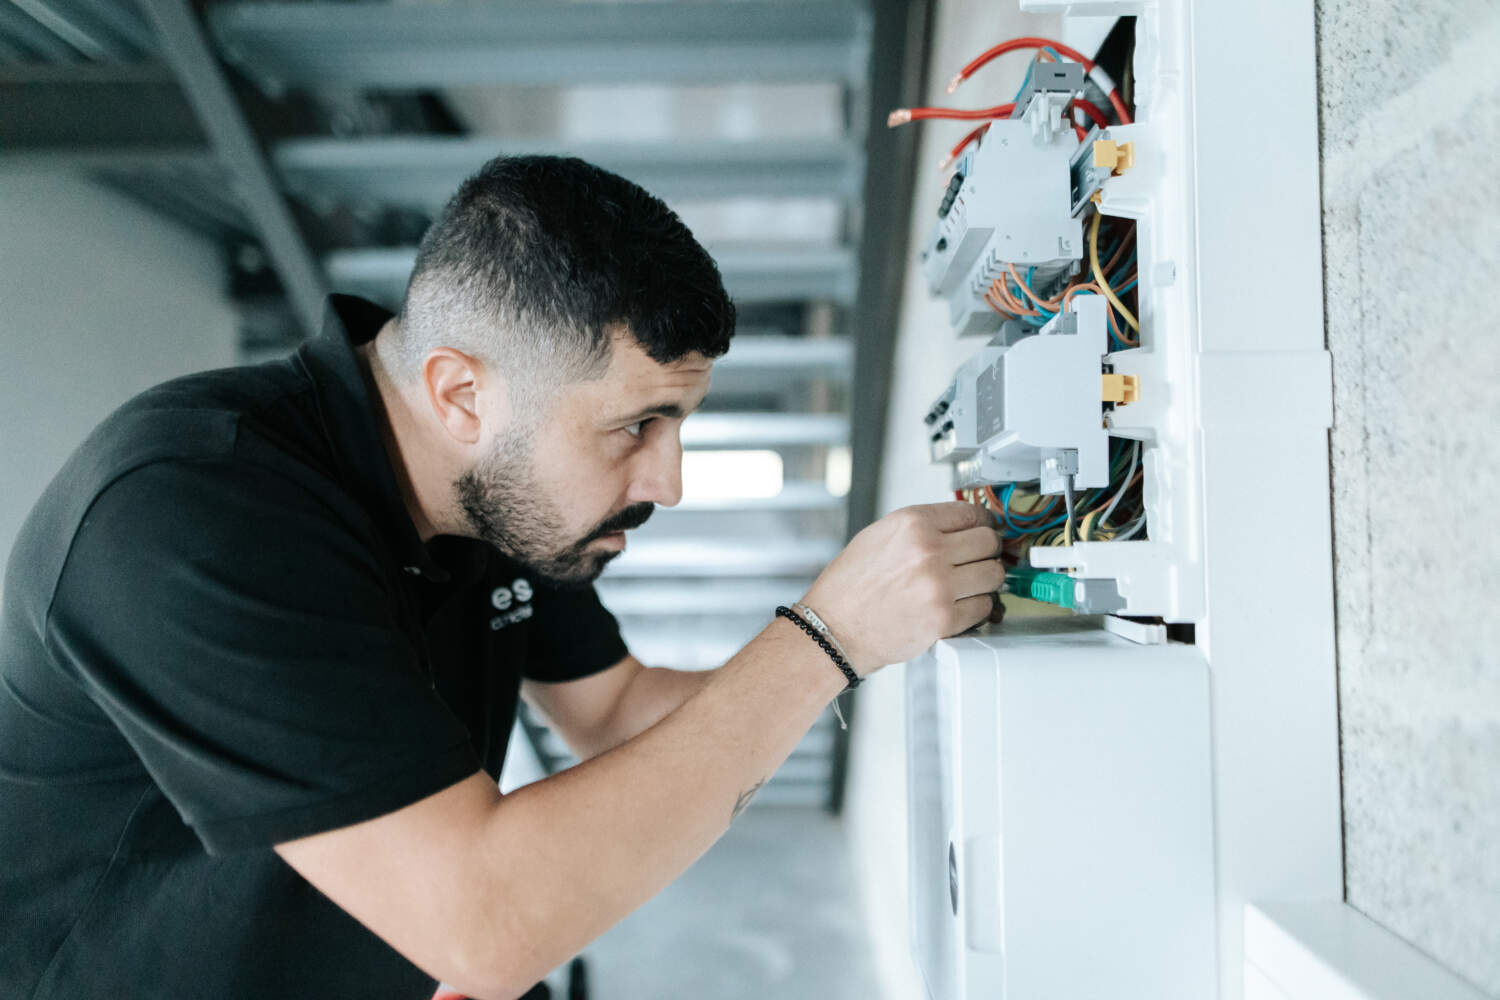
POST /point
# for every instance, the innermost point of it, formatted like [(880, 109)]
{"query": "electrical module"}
[(1008, 204), (1030, 411)]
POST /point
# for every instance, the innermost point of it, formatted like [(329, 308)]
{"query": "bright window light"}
[(730, 475), (837, 471)]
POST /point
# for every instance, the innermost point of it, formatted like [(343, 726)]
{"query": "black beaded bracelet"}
[(824, 644)]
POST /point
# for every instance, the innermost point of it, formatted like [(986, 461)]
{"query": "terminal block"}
[(1030, 410), (1103, 156)]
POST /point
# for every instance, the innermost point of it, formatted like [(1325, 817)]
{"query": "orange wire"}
[(1010, 301), (1048, 304), (990, 301), (1089, 286)]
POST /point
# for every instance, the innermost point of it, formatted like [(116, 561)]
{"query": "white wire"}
[(1135, 457), (1131, 531), (1068, 506)]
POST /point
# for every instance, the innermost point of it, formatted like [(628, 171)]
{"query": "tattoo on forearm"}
[(744, 800)]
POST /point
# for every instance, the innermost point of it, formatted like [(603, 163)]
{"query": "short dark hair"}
[(553, 253)]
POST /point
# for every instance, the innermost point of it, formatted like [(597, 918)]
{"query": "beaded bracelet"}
[(827, 647), (833, 654)]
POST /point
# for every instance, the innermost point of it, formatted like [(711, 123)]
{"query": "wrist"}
[(813, 626), (816, 672), (841, 635)]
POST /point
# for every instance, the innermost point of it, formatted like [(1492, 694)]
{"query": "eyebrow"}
[(671, 410)]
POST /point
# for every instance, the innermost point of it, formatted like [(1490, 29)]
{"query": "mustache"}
[(631, 517)]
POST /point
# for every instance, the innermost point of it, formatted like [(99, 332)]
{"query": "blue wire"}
[(1024, 81), (1034, 304)]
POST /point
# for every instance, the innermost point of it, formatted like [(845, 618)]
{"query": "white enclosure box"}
[(1061, 801)]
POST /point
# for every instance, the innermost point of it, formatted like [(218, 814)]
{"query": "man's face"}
[(559, 495)]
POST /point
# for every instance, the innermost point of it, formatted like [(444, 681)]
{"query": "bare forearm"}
[(579, 851), (653, 694)]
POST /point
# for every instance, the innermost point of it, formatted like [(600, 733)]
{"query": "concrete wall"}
[(1411, 219), (99, 299)]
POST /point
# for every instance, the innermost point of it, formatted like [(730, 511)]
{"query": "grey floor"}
[(769, 912)]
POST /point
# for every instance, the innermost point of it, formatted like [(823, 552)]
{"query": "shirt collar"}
[(352, 415)]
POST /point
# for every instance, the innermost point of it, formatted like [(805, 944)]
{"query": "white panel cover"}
[(1096, 753)]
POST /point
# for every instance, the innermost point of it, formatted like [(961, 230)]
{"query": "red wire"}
[(1119, 106), (904, 115), (1028, 42), (1081, 132), (1092, 110), (962, 143), (1032, 42)]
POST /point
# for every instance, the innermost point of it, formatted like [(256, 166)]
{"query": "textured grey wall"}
[(1410, 98)]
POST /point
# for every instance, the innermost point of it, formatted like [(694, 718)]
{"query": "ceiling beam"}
[(88, 116), (424, 171), (538, 42), (187, 51), (751, 274)]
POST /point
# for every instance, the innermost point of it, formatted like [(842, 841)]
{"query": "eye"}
[(634, 430)]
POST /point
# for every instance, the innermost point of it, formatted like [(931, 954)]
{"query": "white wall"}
[(926, 355), (99, 299)]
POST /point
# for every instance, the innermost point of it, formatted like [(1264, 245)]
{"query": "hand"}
[(909, 579)]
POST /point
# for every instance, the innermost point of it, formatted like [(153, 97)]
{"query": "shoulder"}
[(222, 454)]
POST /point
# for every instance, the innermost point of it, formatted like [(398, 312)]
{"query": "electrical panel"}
[(1072, 421), (1089, 815)]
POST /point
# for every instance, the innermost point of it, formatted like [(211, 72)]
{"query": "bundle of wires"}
[(1014, 295), (1046, 49), (1026, 518)]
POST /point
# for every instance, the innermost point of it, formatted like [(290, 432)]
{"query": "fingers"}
[(983, 577), (970, 612), (971, 544), (954, 515)]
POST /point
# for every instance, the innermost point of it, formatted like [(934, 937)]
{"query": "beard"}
[(503, 504)]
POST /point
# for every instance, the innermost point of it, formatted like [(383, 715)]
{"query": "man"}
[(264, 635)]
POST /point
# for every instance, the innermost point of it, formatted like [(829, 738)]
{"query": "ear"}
[(453, 381)]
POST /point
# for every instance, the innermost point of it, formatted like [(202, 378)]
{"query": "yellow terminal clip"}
[(1118, 157), (1121, 389)]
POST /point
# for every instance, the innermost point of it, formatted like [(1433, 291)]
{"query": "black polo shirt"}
[(220, 632)]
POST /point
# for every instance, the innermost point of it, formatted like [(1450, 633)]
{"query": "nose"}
[(658, 474)]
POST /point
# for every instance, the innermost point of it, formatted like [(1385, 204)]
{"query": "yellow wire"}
[(1109, 293)]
